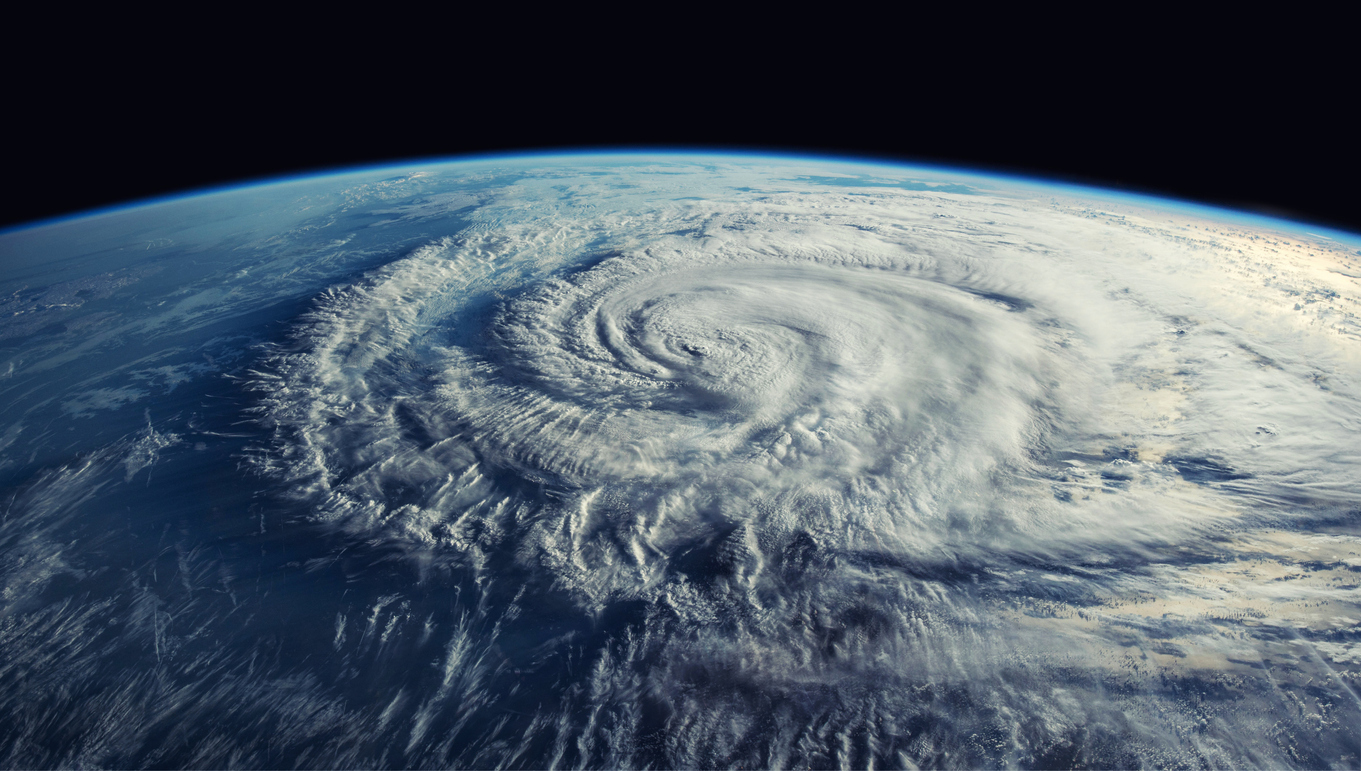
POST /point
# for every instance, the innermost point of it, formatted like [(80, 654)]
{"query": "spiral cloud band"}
[(628, 463), (834, 451)]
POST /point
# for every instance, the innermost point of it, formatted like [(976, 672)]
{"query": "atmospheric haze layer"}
[(678, 461)]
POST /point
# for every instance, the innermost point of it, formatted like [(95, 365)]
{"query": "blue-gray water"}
[(668, 461)]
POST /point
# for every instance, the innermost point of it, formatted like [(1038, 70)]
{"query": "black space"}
[(1240, 122)]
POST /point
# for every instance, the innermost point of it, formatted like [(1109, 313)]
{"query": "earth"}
[(678, 461)]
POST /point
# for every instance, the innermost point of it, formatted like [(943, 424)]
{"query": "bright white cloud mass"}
[(682, 462)]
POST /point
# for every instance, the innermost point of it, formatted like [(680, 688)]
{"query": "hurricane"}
[(679, 466)]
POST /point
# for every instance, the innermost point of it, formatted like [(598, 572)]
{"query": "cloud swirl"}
[(848, 462)]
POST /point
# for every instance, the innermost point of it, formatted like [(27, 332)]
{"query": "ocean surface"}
[(678, 461)]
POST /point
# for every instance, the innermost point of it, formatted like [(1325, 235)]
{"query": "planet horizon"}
[(678, 460)]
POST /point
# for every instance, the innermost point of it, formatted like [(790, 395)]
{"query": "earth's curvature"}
[(678, 461)]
